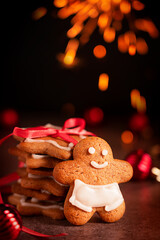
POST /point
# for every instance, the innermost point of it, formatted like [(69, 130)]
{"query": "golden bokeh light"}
[(39, 13), (105, 6), (116, 1), (130, 38), (68, 59), (72, 44), (134, 95), (125, 7), (132, 49), (75, 30), (129, 42), (99, 51), (60, 3), (103, 20), (109, 34), (127, 137), (122, 45), (141, 46), (70, 51), (69, 56), (137, 5), (141, 105), (147, 26), (103, 82), (137, 101)]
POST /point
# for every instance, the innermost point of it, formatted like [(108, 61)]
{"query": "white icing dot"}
[(91, 150), (104, 152)]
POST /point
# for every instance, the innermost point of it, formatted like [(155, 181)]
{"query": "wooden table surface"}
[(141, 220)]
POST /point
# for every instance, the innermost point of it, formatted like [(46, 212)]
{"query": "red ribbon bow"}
[(72, 126)]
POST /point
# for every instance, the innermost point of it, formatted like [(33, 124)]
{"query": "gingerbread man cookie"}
[(93, 176)]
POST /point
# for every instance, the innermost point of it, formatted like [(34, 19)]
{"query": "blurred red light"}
[(94, 115), (9, 117), (138, 122)]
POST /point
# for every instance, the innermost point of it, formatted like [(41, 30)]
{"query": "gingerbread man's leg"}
[(113, 215), (73, 214)]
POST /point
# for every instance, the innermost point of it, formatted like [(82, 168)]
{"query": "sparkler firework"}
[(109, 17)]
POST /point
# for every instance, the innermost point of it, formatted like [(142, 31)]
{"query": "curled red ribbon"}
[(72, 126)]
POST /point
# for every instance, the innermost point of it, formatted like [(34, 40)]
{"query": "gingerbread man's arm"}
[(66, 172), (123, 170)]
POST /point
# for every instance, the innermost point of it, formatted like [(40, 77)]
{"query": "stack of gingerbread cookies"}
[(36, 192), (75, 177)]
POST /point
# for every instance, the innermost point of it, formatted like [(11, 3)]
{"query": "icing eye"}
[(91, 150), (104, 152)]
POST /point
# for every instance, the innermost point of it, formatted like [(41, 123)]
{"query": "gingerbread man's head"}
[(93, 163), (94, 152)]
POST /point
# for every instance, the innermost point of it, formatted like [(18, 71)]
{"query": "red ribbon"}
[(8, 179), (34, 233), (72, 126)]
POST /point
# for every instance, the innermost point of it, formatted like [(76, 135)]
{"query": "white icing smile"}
[(96, 165)]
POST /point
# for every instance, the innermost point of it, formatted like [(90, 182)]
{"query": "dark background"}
[(33, 79), (37, 87)]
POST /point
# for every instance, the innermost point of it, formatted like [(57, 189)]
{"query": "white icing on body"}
[(96, 165), (86, 196), (70, 145)]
